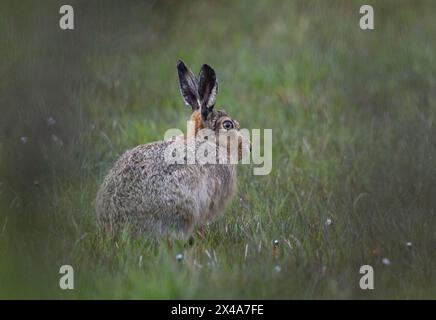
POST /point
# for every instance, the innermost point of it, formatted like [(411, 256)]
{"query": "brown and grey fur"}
[(150, 196)]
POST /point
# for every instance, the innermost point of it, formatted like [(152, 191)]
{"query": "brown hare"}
[(151, 196)]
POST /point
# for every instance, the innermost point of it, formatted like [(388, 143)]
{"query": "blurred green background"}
[(354, 144)]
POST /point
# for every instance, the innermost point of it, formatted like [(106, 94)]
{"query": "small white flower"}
[(24, 140), (277, 269), (179, 257), (56, 140), (386, 261), (51, 121), (328, 222)]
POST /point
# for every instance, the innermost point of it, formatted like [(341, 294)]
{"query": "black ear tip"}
[(181, 65), (208, 69)]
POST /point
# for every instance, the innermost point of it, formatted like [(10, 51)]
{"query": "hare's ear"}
[(207, 90), (188, 86)]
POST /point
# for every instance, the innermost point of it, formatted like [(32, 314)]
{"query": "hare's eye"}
[(227, 125)]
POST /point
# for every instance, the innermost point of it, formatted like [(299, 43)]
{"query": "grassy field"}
[(354, 143)]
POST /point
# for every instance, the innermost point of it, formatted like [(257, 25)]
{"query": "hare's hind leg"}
[(179, 223)]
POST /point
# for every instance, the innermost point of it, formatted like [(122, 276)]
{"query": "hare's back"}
[(144, 172)]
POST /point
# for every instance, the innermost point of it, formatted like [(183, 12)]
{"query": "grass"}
[(354, 141)]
